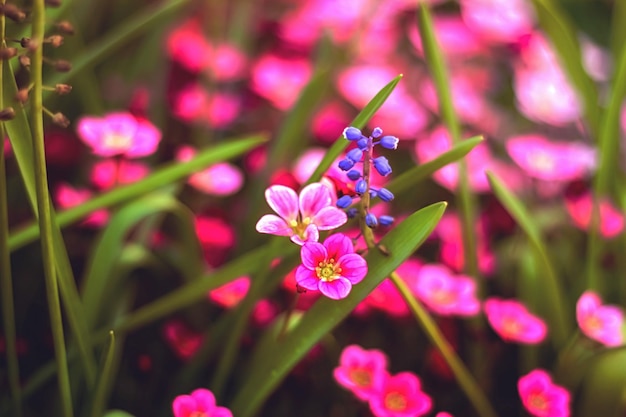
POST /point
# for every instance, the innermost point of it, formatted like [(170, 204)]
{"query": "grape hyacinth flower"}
[(363, 154), (331, 268), (200, 402), (300, 217), (602, 323), (541, 397), (361, 371)]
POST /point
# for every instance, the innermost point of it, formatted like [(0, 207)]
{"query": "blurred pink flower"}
[(264, 312), (602, 323), (386, 297), (231, 294), (119, 134), (499, 20), (580, 208), (597, 61), (108, 173), (194, 104), (200, 403), (443, 414), (280, 80), (541, 397), (67, 197), (401, 396), (8, 150), (300, 217), (214, 232), (361, 371), (187, 45), (221, 179), (226, 63), (550, 160), (454, 37), (222, 109), (333, 117), (512, 321), (181, 339), (190, 102), (330, 268), (444, 293)]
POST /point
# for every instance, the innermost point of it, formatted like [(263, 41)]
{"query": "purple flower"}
[(355, 155), (352, 133), (361, 186), (385, 195), (346, 164), (344, 201), (389, 142), (381, 164), (370, 220)]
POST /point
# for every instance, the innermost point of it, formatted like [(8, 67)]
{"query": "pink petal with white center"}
[(283, 200), (145, 140), (602, 323), (273, 225), (336, 289), (313, 198), (353, 267), (330, 218), (221, 179), (311, 234), (312, 253), (307, 279)]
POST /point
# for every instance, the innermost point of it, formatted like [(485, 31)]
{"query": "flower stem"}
[(461, 373), (43, 206)]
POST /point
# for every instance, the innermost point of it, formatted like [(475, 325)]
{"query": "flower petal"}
[(336, 289), (145, 140), (274, 225), (311, 234), (353, 267), (307, 279), (312, 253), (184, 405), (338, 245), (313, 198), (205, 400), (283, 200), (329, 218)]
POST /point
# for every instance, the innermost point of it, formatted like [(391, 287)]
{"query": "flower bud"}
[(389, 142), (7, 53), (355, 154), (65, 27), (345, 164), (22, 95), (361, 186), (13, 12), (55, 40), (362, 143), (377, 132), (62, 65), (354, 174), (59, 119), (381, 164), (385, 195), (352, 212), (25, 42), (24, 61), (7, 114), (371, 221), (352, 133), (344, 201), (62, 89), (386, 220)]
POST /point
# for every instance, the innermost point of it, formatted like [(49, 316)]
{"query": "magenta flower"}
[(300, 217), (581, 208), (119, 134), (401, 396), (220, 179), (444, 293), (541, 397), (183, 340), (602, 323), (280, 80), (200, 403), (108, 173), (332, 267), (513, 323), (499, 20), (362, 371), (230, 294)]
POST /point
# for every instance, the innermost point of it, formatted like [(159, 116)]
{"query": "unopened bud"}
[(13, 12), (65, 27), (22, 95), (25, 42), (24, 61), (62, 89), (7, 114), (59, 119), (62, 65), (55, 40), (53, 3), (7, 53)]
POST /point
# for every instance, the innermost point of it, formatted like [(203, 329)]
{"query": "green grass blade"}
[(270, 366), (105, 381), (563, 36), (618, 29), (602, 392), (559, 324), (164, 176), (359, 121)]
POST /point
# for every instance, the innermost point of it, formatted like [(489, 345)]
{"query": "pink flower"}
[(499, 20), (68, 197), (332, 267), (200, 403), (119, 134), (541, 397), (454, 37), (361, 371), (513, 323), (386, 297), (300, 217), (602, 323), (444, 293), (231, 294), (108, 173), (581, 209), (401, 396), (221, 179), (190, 102), (227, 63), (280, 80), (443, 414), (214, 232), (187, 45), (183, 341), (550, 160)]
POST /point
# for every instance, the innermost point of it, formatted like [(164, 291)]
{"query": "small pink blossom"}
[(190, 102), (443, 414), (541, 397), (386, 297), (214, 232), (330, 119), (183, 340), (264, 312), (226, 63), (444, 293), (67, 196), (220, 179), (300, 217), (280, 80), (602, 323), (119, 134), (513, 323), (499, 20), (331, 268), (187, 46), (231, 294), (580, 209), (108, 173), (454, 37), (401, 396), (200, 403), (361, 371)]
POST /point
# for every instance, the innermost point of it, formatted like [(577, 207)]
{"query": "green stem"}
[(43, 205), (461, 373)]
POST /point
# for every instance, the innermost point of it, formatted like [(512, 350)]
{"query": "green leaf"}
[(117, 413), (563, 36), (270, 366), (602, 392), (560, 325), (164, 176), (105, 381), (359, 122)]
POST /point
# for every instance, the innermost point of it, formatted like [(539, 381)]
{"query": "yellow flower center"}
[(328, 271), (538, 401), (542, 162), (198, 414), (299, 227), (444, 297), (113, 141), (361, 377), (395, 401), (511, 327)]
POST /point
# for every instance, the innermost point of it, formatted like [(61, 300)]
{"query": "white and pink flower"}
[(602, 323)]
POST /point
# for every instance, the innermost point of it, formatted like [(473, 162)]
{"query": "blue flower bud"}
[(361, 186), (344, 201), (385, 220), (352, 212), (377, 132), (389, 142), (352, 133), (363, 143), (346, 164), (354, 174), (385, 195), (355, 154), (381, 164), (371, 221)]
